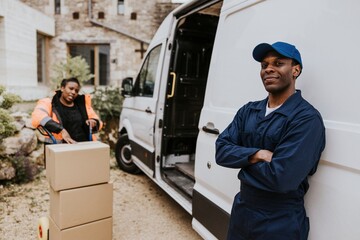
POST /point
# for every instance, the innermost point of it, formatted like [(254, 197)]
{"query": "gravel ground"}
[(141, 209)]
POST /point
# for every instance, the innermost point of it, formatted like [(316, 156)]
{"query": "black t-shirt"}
[(74, 124)]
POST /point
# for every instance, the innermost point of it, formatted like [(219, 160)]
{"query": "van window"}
[(144, 85)]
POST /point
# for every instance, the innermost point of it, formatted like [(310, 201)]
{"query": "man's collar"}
[(286, 108)]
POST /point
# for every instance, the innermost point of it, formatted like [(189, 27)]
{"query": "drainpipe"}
[(89, 9)]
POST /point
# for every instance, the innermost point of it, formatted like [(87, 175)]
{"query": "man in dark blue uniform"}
[(277, 143)]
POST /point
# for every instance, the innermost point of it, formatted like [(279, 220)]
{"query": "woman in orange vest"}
[(68, 115)]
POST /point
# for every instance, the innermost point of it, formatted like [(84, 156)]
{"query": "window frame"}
[(143, 83), (57, 7), (94, 62), (121, 7)]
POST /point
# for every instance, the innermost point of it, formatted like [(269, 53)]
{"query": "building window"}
[(57, 7), (101, 15), (41, 41), (76, 15), (121, 6), (98, 58)]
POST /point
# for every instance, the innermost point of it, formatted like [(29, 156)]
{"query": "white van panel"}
[(332, 203), (327, 35), (325, 40), (217, 183), (141, 122), (162, 32), (342, 142)]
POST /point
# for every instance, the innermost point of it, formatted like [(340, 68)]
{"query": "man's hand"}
[(66, 137), (261, 156)]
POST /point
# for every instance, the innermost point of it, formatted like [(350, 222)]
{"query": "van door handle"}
[(210, 128), (173, 85), (148, 110)]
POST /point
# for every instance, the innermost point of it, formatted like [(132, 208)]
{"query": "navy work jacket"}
[(295, 133)]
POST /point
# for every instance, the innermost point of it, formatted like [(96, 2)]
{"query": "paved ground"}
[(141, 210)]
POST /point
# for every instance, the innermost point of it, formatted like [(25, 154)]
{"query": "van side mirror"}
[(127, 87)]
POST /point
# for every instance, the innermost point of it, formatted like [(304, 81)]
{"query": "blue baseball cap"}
[(283, 48)]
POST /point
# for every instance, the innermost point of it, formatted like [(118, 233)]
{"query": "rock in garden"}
[(24, 142), (7, 171)]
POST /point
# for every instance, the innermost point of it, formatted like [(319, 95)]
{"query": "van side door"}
[(141, 114)]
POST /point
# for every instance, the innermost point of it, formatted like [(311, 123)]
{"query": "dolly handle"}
[(90, 132)]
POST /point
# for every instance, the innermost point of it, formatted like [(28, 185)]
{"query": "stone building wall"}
[(19, 24), (124, 61)]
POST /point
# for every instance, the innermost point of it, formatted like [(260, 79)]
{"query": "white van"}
[(199, 70)]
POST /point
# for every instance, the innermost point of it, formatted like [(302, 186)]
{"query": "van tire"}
[(123, 155)]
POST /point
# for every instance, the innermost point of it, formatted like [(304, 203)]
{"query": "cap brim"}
[(261, 50)]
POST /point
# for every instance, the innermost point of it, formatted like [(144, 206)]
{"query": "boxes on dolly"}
[(77, 165), (81, 197)]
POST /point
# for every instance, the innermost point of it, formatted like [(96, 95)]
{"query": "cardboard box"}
[(98, 230), (69, 208), (77, 165)]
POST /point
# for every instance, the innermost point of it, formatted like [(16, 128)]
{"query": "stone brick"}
[(124, 61)]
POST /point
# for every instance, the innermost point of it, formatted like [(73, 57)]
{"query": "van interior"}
[(190, 59)]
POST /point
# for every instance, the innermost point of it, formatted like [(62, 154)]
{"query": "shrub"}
[(2, 89), (107, 102), (7, 128), (25, 169), (73, 67), (7, 100)]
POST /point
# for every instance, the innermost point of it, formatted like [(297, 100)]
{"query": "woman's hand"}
[(66, 137), (91, 122)]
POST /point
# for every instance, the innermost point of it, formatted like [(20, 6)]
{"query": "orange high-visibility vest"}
[(43, 113)]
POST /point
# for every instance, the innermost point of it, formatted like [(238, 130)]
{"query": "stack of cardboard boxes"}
[(81, 197)]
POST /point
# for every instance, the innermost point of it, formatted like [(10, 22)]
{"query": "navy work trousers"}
[(257, 218)]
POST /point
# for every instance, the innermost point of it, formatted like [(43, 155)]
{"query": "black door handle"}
[(211, 130), (148, 110)]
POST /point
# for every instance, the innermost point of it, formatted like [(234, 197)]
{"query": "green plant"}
[(107, 102), (2, 89), (73, 67), (7, 100), (7, 128)]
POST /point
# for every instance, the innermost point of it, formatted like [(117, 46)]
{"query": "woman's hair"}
[(66, 80)]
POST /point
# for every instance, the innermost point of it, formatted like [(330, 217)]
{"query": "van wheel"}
[(123, 155)]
